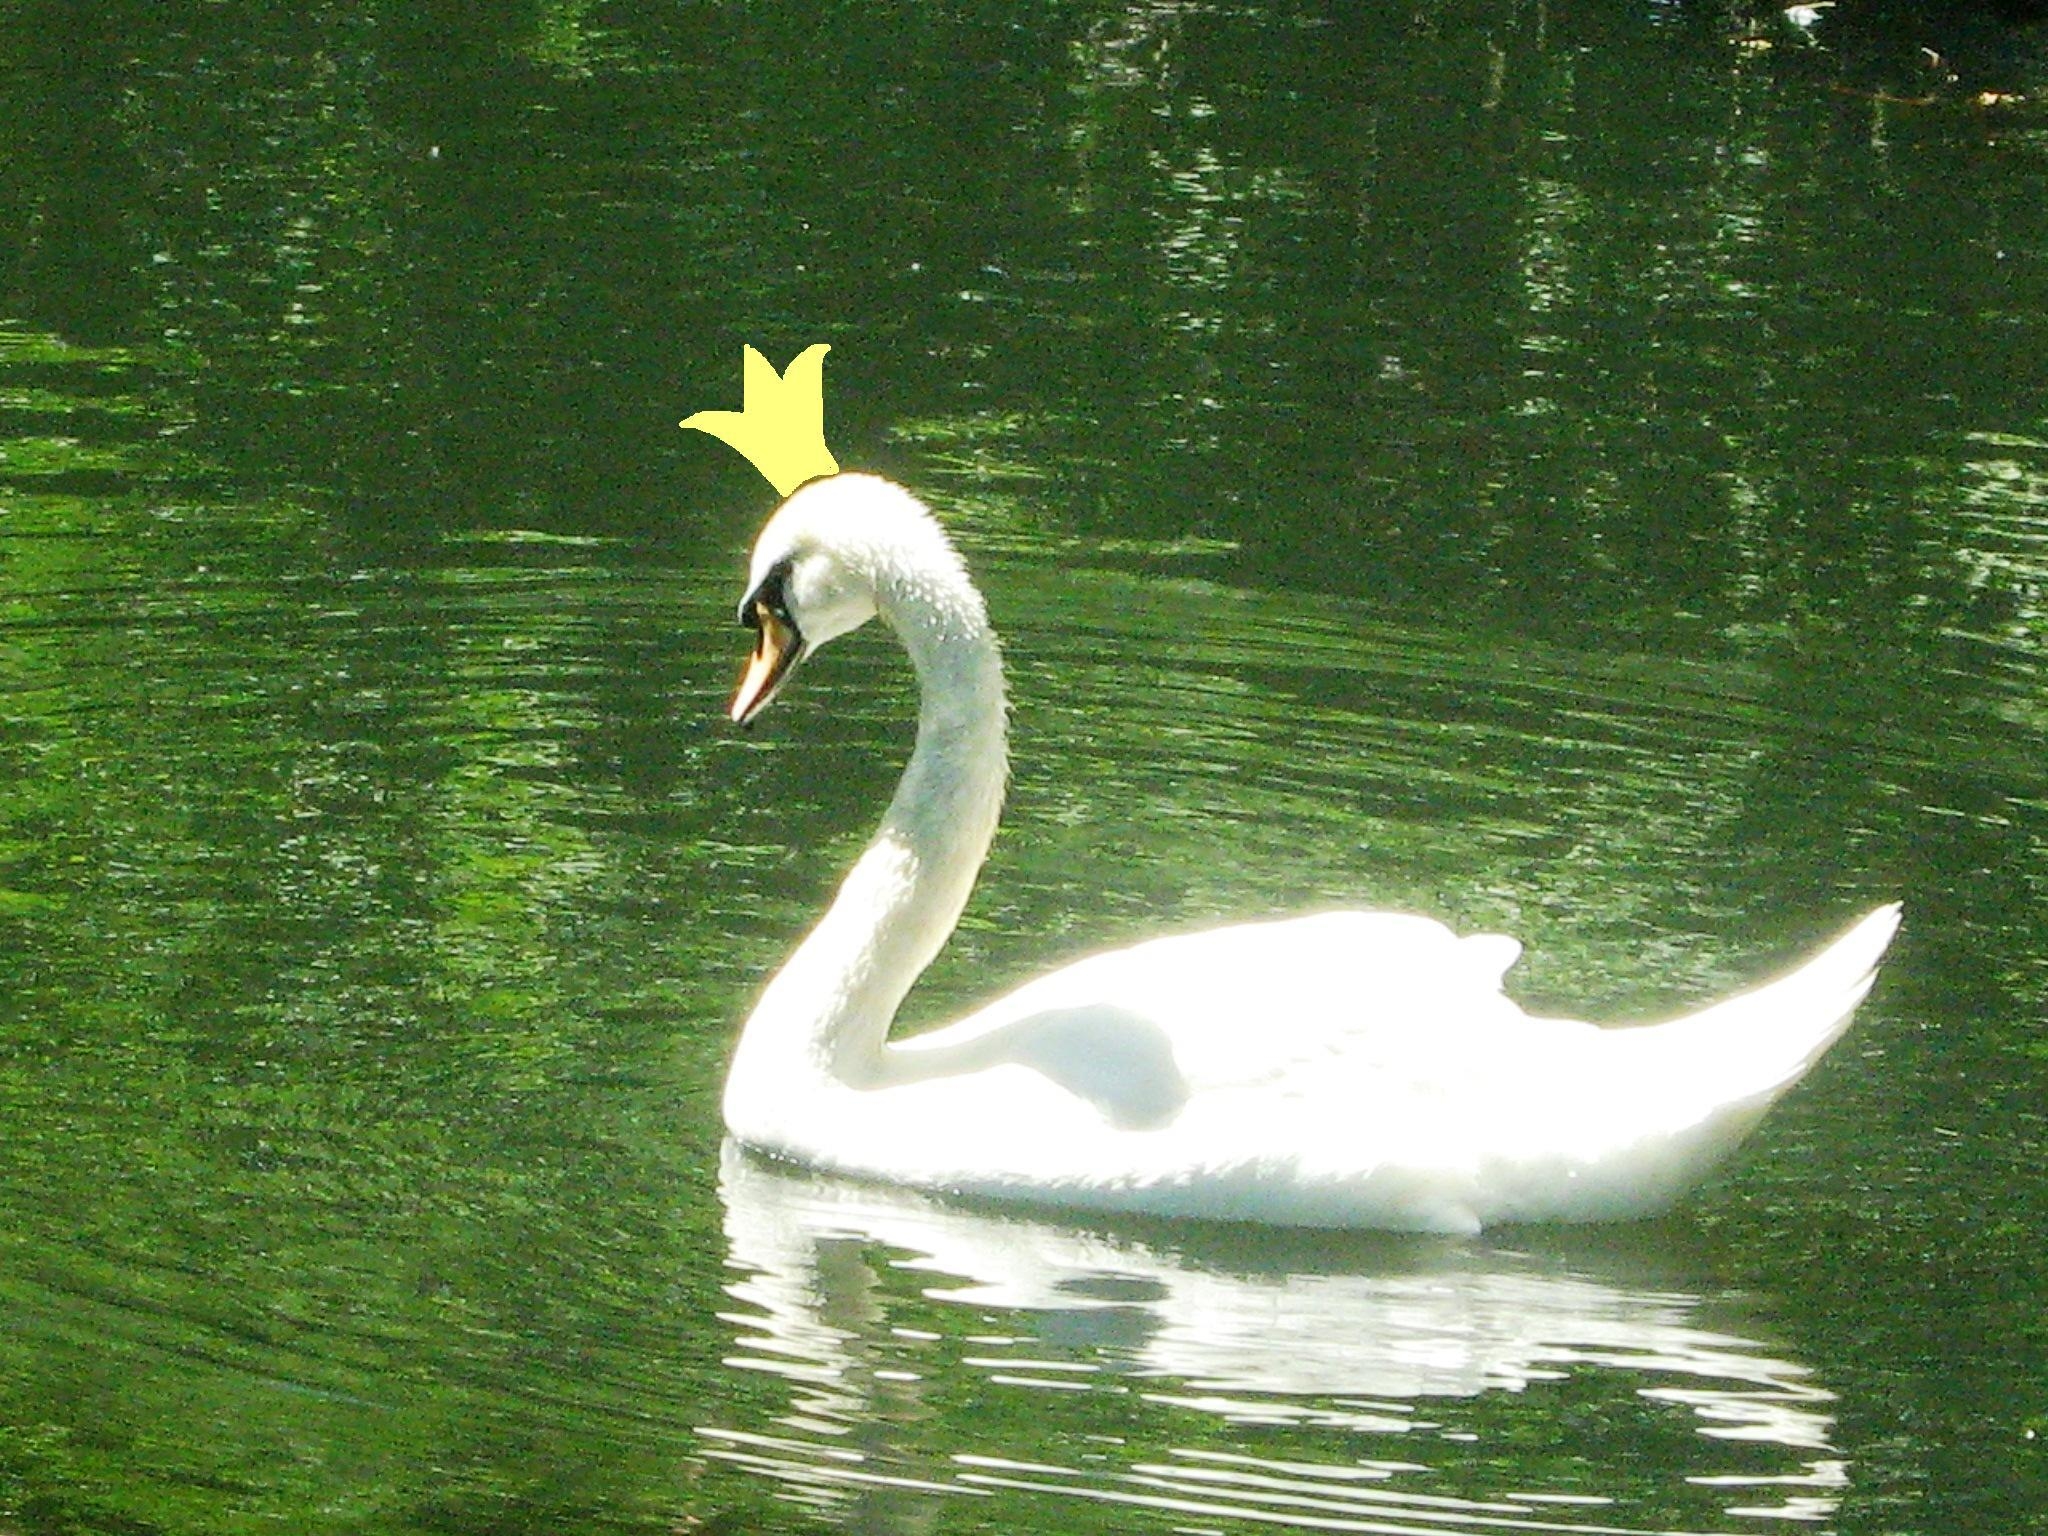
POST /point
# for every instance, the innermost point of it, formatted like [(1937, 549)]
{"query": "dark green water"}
[(1581, 470)]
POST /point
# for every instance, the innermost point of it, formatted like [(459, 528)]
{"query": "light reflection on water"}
[(1411, 1363)]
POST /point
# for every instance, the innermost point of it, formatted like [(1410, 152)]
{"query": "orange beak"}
[(777, 648)]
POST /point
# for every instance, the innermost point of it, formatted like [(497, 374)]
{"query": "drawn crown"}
[(780, 425)]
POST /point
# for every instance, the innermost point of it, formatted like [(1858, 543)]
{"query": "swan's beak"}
[(777, 647)]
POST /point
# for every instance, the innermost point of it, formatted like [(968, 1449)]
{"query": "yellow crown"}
[(780, 425)]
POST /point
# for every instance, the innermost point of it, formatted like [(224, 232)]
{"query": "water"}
[(1583, 474)]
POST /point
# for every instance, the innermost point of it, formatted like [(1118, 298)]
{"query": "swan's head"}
[(839, 551)]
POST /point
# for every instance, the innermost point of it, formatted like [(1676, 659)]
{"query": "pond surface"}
[(1579, 471)]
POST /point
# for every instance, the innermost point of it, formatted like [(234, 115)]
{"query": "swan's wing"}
[(1342, 1069), (1381, 998)]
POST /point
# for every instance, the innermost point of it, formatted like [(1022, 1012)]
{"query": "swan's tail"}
[(1696, 1086), (1760, 1042)]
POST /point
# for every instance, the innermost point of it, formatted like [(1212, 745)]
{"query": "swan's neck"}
[(824, 1019)]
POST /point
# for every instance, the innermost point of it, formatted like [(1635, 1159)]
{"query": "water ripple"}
[(930, 1349)]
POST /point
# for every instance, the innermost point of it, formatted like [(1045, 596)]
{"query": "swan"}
[(1340, 1069)]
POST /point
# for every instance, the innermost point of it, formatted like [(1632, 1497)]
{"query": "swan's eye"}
[(769, 597)]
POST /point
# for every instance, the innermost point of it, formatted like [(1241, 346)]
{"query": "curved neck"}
[(825, 1016)]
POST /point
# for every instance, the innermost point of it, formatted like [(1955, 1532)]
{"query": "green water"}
[(1581, 471)]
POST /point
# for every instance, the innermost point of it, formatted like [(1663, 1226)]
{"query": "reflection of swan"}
[(867, 1301), (1347, 1068)]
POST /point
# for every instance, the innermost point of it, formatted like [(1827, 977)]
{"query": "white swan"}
[(1341, 1069)]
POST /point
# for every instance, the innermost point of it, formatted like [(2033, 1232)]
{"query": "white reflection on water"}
[(1242, 1377)]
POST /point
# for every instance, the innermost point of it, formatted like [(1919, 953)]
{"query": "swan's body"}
[(1341, 1069)]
